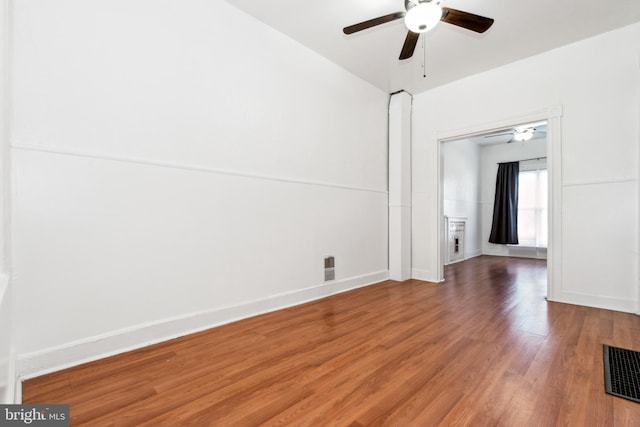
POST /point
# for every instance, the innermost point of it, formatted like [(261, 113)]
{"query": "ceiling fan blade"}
[(409, 45), (491, 135), (373, 22), (467, 20)]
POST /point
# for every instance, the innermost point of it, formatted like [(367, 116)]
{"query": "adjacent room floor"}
[(481, 348)]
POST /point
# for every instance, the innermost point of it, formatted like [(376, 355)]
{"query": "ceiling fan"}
[(522, 133), (421, 16)]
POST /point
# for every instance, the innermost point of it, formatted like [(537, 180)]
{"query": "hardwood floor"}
[(483, 348)]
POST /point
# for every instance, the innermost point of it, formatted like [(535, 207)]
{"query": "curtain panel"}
[(504, 229)]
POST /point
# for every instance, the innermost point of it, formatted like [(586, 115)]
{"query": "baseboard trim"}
[(473, 254), (513, 254), (425, 275), (82, 351), (596, 301)]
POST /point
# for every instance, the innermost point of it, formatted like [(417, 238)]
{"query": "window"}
[(532, 208)]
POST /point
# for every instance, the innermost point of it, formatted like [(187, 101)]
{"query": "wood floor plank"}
[(482, 348)]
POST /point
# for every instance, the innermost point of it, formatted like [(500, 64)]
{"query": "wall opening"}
[(549, 122)]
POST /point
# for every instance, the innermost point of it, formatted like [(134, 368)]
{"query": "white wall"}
[(490, 156), (596, 81), (7, 363), (461, 190), (177, 165)]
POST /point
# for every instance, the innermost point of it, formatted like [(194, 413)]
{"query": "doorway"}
[(473, 206)]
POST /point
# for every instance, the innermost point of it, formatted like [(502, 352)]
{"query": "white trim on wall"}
[(552, 115), (17, 145), (473, 254), (598, 301), (554, 220), (97, 347), (420, 274), (598, 182)]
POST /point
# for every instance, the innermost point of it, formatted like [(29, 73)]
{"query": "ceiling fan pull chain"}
[(424, 58)]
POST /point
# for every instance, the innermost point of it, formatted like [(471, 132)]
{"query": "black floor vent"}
[(622, 372)]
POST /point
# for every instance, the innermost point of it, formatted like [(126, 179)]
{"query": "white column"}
[(400, 186)]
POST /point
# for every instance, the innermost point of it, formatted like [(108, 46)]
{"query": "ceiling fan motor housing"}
[(408, 4), (422, 16)]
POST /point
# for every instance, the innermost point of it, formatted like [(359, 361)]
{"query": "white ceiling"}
[(522, 28)]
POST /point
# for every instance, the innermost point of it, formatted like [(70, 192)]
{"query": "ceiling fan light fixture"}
[(423, 17), (523, 134)]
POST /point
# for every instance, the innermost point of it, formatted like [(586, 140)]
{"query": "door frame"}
[(553, 117)]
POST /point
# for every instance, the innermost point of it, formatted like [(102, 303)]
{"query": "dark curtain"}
[(505, 208)]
